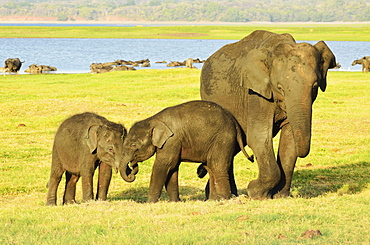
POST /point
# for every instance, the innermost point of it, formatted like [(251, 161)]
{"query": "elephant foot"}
[(257, 191), (69, 202), (282, 194), (175, 199), (152, 199), (51, 203), (101, 198)]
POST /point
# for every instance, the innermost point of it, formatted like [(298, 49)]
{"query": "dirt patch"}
[(311, 234), (183, 34)]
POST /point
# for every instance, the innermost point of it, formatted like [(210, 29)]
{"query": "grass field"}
[(300, 31), (330, 190)]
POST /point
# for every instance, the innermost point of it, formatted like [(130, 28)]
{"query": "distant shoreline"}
[(174, 23)]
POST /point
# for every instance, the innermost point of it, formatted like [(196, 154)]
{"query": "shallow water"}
[(72, 55)]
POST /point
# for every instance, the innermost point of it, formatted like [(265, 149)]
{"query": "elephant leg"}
[(220, 186), (54, 180), (70, 188), (160, 173), (157, 181), (212, 187), (87, 187), (219, 181), (105, 176), (234, 190), (287, 158), (172, 185), (206, 190), (259, 139), (268, 174)]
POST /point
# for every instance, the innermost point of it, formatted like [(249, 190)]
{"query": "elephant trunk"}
[(127, 173), (300, 118)]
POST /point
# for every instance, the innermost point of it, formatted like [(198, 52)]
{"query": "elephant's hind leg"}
[(172, 185), (56, 174), (233, 188), (219, 182)]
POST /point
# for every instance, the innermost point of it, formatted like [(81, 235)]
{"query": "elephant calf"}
[(196, 131), (82, 143)]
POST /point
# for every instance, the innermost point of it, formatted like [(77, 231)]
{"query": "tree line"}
[(190, 10)]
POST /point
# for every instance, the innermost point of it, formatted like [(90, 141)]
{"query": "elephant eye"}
[(133, 145), (281, 89)]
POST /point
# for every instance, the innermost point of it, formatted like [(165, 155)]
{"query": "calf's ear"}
[(91, 137), (160, 133)]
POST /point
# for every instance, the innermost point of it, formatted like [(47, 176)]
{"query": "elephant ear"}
[(255, 75), (328, 59), (92, 137), (160, 133)]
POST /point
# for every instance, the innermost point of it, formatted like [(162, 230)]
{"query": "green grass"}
[(330, 188), (300, 31)]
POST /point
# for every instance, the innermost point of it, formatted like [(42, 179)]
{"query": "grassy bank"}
[(300, 31), (330, 188)]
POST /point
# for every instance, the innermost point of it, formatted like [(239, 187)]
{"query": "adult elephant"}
[(365, 62), (269, 82)]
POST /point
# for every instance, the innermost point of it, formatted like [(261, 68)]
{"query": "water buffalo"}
[(13, 65)]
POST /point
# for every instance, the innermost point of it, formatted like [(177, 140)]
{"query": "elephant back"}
[(226, 64)]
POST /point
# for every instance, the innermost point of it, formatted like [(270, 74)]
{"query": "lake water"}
[(71, 55)]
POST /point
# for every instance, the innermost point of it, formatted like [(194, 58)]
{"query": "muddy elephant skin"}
[(196, 131), (269, 83), (82, 143)]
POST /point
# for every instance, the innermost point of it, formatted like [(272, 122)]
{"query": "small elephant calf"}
[(82, 143), (196, 131)]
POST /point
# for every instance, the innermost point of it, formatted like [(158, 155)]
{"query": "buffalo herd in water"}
[(13, 65)]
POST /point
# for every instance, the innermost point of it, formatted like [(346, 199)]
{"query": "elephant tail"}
[(201, 170), (241, 144)]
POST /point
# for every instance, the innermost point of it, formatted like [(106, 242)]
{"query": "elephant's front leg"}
[(161, 169), (87, 187), (105, 175), (157, 181), (172, 185), (259, 138), (287, 158), (70, 189)]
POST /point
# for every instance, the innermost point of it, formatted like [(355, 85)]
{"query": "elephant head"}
[(106, 141), (141, 143), (290, 74)]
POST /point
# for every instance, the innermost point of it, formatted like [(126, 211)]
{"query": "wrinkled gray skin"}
[(196, 131), (81, 144), (13, 65), (269, 82)]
